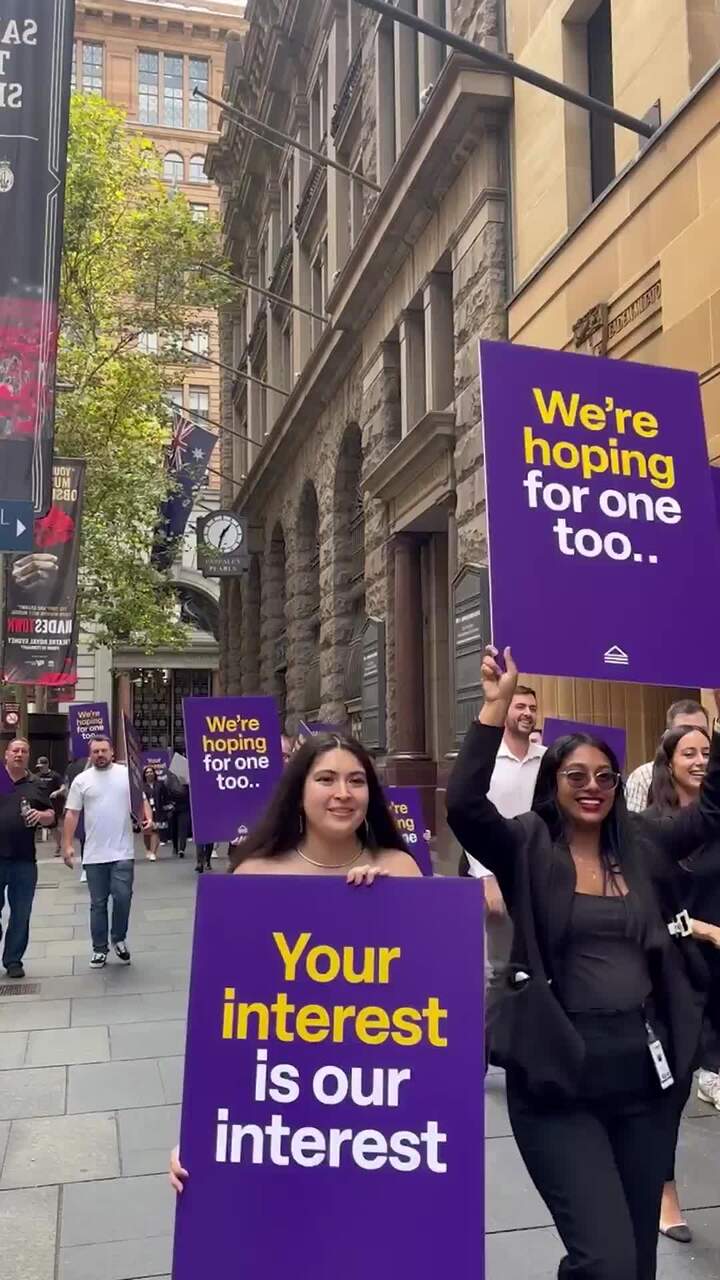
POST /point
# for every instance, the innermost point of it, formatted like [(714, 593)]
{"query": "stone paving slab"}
[(146, 1136), (115, 1086), (28, 1222), (13, 1045), (4, 1135), (61, 1149), (27, 1015), (171, 1071), (118, 1209), (129, 1008), (148, 1040), (32, 1092), (68, 1047), (122, 1260)]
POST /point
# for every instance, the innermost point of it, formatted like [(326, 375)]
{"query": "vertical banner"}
[(601, 515), (40, 624), (234, 753), (615, 738), (406, 806), (334, 1067), (36, 49), (87, 720), (133, 759)]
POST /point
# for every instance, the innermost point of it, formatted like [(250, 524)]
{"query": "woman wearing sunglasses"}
[(599, 1021)]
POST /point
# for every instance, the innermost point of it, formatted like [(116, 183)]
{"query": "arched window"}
[(197, 169), (174, 167)]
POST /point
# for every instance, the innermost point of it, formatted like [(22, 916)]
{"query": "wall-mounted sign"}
[(222, 549), (373, 685), (470, 634)]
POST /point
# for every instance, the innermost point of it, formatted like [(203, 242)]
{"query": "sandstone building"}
[(501, 212)]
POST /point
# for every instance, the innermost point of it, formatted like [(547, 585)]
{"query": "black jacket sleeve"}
[(680, 833), (473, 818)]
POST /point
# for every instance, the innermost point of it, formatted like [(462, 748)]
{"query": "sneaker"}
[(151, 857), (15, 970), (98, 960), (214, 854), (122, 952), (709, 1088), (83, 877)]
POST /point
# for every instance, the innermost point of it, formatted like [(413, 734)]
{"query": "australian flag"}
[(186, 462)]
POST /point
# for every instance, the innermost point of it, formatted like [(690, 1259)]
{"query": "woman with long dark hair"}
[(678, 773), (156, 796), (599, 1022), (327, 817)]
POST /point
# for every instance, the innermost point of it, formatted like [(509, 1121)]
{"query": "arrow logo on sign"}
[(19, 527)]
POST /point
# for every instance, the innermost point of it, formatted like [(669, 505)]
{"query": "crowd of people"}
[(603, 927)]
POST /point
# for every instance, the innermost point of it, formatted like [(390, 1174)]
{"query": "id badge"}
[(659, 1061)]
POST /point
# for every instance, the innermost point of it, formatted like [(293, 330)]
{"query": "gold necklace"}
[(329, 866)]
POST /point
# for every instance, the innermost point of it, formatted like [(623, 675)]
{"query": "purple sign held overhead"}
[(234, 755), (88, 720), (325, 1044), (406, 807), (157, 759), (599, 495), (615, 738)]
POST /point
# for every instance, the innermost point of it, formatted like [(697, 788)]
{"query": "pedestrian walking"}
[(600, 1023), (156, 796), (179, 796), (328, 817), (204, 855), (687, 713), (678, 773), (102, 794), (50, 783), (23, 809)]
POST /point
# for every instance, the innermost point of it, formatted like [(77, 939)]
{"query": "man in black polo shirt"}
[(21, 810)]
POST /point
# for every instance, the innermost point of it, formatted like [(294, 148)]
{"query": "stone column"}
[(384, 102), (430, 53), (412, 369), (338, 186), (409, 673), (439, 346), (302, 290), (406, 80)]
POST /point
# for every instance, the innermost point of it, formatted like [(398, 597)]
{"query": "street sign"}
[(16, 526), (222, 549)]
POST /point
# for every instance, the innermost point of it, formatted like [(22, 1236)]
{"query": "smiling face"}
[(689, 762), (586, 787), (335, 796), (522, 714)]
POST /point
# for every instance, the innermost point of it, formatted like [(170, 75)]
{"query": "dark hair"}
[(685, 707), (617, 845), (663, 792), (525, 690), (149, 768), (101, 737), (281, 827)]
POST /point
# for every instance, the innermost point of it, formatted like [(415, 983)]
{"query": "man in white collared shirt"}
[(511, 791)]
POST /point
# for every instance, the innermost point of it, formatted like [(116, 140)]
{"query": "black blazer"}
[(538, 881)]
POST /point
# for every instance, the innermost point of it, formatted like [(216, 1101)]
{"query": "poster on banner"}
[(157, 758), (36, 41), (311, 729), (235, 758), (615, 738), (325, 1044), (599, 495), (40, 623), (133, 758), (406, 806), (87, 720)]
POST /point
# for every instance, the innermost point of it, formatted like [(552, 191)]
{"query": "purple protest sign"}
[(311, 729), (615, 738), (7, 786), (326, 1042), (87, 720), (157, 759), (407, 811), (599, 495), (234, 755), (133, 757)]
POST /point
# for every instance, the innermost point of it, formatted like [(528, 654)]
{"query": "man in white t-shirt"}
[(102, 795)]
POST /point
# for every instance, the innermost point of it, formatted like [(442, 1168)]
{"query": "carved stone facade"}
[(361, 467)]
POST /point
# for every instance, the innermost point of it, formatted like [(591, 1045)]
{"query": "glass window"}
[(175, 396), (197, 169), (200, 212), (148, 343), (199, 79), (173, 167), (92, 68), (173, 90), (148, 88), (198, 401), (198, 342)]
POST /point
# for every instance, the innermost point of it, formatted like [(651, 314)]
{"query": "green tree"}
[(130, 266)]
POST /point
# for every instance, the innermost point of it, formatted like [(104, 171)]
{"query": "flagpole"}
[(274, 297), (238, 373)]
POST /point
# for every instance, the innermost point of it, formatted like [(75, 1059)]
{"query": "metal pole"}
[(199, 420), (238, 373), (501, 63), (274, 297), (285, 137)]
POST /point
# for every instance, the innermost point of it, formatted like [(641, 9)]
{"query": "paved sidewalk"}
[(90, 1080)]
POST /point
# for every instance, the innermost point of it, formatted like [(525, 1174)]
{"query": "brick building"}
[(363, 480)]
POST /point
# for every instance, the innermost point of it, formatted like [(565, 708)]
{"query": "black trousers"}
[(179, 829), (599, 1163)]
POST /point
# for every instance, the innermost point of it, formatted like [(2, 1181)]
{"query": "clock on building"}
[(222, 544)]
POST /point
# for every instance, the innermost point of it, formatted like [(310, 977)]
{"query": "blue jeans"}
[(19, 878), (109, 880)]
